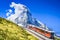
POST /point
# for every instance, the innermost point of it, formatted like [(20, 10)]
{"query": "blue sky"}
[(47, 11)]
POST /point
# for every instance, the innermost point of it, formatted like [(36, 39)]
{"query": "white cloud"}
[(9, 12), (18, 10)]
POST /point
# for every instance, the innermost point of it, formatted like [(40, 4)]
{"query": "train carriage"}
[(46, 33)]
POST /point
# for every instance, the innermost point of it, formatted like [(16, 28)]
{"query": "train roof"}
[(48, 30)]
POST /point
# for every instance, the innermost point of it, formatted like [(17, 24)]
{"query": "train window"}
[(46, 32)]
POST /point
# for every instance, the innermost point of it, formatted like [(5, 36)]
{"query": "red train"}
[(41, 31)]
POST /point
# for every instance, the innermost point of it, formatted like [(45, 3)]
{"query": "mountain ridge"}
[(22, 16)]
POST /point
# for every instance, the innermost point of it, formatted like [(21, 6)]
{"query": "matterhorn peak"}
[(22, 16)]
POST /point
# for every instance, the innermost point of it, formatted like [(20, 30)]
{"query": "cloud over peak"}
[(18, 10)]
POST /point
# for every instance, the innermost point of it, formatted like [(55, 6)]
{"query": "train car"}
[(41, 31)]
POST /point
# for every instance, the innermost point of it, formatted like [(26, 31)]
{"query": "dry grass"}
[(11, 31)]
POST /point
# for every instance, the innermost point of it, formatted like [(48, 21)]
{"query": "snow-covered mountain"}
[(22, 16)]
